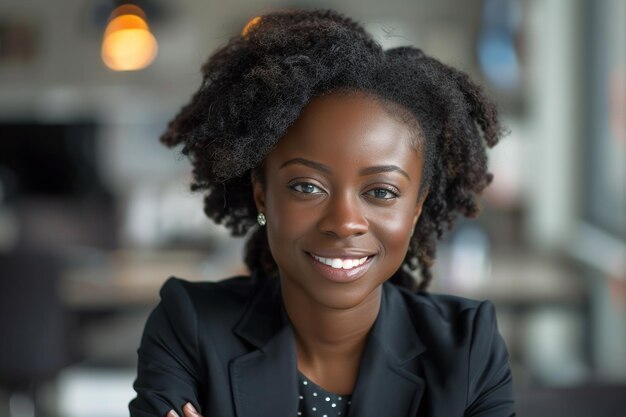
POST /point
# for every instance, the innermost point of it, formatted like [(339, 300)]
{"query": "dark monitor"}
[(52, 160)]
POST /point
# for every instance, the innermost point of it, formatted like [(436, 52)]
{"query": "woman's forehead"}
[(349, 122), (339, 110), (348, 133)]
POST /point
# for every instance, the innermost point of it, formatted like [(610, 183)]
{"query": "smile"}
[(341, 263), (341, 270)]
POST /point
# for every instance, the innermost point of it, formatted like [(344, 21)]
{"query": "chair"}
[(33, 342)]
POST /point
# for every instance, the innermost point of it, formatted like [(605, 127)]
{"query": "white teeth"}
[(339, 263)]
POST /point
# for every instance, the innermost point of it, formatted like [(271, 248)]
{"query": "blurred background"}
[(95, 214)]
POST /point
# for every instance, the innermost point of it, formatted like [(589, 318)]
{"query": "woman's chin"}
[(342, 297)]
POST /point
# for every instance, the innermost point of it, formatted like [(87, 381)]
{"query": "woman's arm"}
[(490, 387), (168, 370)]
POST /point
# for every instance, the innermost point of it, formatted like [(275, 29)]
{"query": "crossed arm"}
[(188, 409)]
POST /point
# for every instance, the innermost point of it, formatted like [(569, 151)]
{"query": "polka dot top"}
[(315, 401)]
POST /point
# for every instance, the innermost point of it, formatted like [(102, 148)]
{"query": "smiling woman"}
[(359, 200), (345, 162)]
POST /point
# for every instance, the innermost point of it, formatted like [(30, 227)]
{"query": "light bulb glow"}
[(128, 44), (249, 25), (129, 49)]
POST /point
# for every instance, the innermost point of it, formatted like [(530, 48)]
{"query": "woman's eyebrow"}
[(364, 171), (315, 165), (384, 168)]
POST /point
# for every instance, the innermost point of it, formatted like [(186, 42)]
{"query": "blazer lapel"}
[(264, 381), (386, 385)]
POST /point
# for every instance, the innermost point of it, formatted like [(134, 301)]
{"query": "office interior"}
[(95, 214)]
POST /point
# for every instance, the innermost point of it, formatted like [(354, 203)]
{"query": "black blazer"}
[(228, 347)]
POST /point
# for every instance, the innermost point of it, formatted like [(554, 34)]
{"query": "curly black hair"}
[(255, 87)]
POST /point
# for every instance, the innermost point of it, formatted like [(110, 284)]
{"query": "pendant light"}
[(128, 44)]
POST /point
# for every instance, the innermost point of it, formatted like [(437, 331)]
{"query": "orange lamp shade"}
[(128, 44)]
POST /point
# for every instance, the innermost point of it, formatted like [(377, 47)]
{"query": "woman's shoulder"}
[(238, 286), (446, 304), (457, 313), (461, 338), (225, 299)]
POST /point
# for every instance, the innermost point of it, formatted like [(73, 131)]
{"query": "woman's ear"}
[(258, 193)]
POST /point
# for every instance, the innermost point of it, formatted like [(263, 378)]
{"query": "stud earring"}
[(261, 219)]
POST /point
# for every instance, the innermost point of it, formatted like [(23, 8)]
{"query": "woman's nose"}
[(343, 217)]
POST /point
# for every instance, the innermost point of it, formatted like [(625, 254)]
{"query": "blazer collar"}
[(265, 314), (386, 386), (264, 381)]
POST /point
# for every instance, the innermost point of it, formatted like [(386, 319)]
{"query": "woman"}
[(345, 162)]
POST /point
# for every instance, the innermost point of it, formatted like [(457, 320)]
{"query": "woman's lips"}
[(346, 272), (343, 263)]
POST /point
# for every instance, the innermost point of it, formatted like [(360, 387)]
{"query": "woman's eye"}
[(382, 193), (306, 188)]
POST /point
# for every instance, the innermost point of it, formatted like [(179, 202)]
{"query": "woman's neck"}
[(329, 341)]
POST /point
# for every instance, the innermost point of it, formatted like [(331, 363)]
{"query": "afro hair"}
[(256, 86)]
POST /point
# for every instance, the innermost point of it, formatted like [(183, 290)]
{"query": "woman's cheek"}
[(393, 232), (397, 224), (287, 223)]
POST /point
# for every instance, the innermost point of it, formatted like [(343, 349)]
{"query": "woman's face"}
[(341, 188)]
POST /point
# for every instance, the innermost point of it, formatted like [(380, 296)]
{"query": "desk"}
[(132, 279)]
